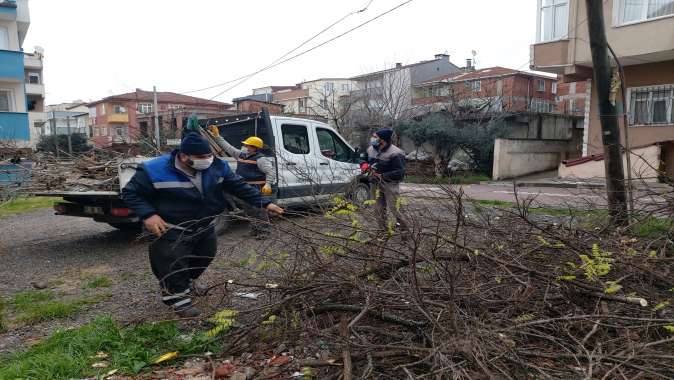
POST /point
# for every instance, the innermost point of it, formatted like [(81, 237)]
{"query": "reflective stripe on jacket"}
[(158, 187)]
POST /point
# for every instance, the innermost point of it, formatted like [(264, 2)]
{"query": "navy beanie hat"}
[(385, 134), (194, 144)]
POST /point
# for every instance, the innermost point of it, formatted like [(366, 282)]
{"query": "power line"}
[(315, 47), (289, 52)]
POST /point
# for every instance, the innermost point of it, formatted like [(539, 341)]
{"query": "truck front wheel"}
[(360, 193)]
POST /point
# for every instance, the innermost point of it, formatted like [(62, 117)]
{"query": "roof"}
[(162, 97), (323, 79), (275, 88), (259, 101), (401, 67), (488, 72), (256, 97)]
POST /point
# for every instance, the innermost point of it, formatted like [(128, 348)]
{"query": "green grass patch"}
[(3, 325), (99, 282), (651, 227), (37, 306), (21, 205), (70, 353), (458, 180)]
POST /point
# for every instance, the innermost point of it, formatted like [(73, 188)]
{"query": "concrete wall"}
[(515, 158), (645, 162)]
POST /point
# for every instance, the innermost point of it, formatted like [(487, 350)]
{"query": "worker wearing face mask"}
[(388, 166), (177, 196), (257, 169)]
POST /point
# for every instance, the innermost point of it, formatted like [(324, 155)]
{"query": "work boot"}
[(187, 312)]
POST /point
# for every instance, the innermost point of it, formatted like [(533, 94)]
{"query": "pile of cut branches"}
[(468, 292)]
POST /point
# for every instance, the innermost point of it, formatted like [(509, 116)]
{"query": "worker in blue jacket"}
[(178, 196)]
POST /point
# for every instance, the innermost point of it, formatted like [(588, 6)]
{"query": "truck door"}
[(335, 161), (296, 159)]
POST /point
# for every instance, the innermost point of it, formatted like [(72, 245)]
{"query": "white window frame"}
[(649, 106), (346, 87), (540, 36), (329, 86), (553, 88), (10, 99), (145, 107), (619, 9), (4, 42), (39, 81), (540, 88), (118, 109), (476, 85)]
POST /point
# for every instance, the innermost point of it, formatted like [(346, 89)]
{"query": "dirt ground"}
[(66, 253)]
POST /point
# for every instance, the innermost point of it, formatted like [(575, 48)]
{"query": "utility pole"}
[(70, 142), (613, 163), (156, 119), (52, 122)]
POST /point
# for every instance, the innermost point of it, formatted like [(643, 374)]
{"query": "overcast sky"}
[(100, 48)]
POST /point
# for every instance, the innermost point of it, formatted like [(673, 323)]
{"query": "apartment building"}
[(489, 90), (389, 91), (116, 119), (641, 32), (322, 97), (21, 82)]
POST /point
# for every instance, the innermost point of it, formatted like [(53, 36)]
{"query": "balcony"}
[(11, 65), (550, 56), (35, 89), (118, 118), (32, 61), (14, 126)]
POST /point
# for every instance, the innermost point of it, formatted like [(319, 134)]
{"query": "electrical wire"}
[(315, 47), (289, 52)]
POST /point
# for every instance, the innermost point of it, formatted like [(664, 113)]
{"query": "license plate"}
[(93, 210)]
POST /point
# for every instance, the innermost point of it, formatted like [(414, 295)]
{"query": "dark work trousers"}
[(177, 258), (386, 202)]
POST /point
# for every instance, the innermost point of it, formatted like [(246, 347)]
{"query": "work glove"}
[(214, 130), (266, 189)]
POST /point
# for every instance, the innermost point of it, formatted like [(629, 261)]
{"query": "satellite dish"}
[(473, 52)]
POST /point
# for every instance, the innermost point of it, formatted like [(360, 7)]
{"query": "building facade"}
[(21, 87), (389, 92), (642, 35), (488, 90), (116, 119), (66, 118)]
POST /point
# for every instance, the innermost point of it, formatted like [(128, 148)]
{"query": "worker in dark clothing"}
[(388, 165), (256, 169), (177, 196)]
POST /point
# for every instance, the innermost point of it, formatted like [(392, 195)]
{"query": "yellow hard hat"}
[(253, 141)]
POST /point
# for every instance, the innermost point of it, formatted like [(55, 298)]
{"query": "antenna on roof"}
[(474, 54)]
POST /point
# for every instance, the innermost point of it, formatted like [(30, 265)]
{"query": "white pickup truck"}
[(313, 162)]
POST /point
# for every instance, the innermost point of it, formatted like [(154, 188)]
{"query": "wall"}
[(645, 162), (515, 158), (638, 75), (13, 34), (432, 69)]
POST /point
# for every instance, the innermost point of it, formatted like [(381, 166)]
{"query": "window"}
[(4, 38), (34, 78), (145, 107), (629, 11), (92, 112), (300, 104), (553, 19), (173, 106), (332, 146), (540, 85), (346, 87), (324, 103), (651, 105), (295, 138), (102, 109), (6, 101), (475, 85), (553, 88), (329, 86), (119, 109)]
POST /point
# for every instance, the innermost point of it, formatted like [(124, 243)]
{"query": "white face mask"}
[(244, 150), (201, 163)]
